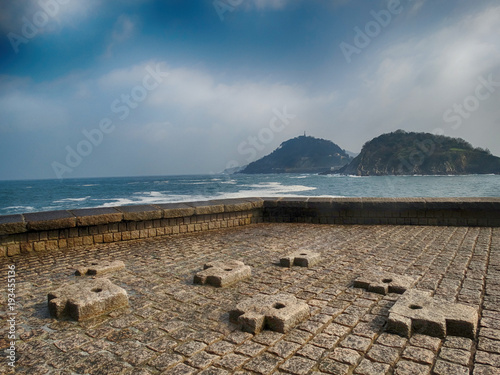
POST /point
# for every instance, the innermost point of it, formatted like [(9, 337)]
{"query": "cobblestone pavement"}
[(175, 327)]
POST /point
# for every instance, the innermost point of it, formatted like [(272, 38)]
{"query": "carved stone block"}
[(303, 258), (278, 313), (418, 312), (86, 299), (222, 274), (100, 267), (384, 282)]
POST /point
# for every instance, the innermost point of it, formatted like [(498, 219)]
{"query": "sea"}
[(48, 195)]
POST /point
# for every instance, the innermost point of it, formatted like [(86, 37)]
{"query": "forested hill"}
[(408, 153), (302, 154)]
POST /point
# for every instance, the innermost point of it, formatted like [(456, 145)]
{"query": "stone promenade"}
[(175, 327)]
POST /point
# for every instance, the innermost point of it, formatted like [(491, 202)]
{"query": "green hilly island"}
[(303, 154), (409, 153)]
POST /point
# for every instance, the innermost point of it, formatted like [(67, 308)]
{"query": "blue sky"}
[(145, 87)]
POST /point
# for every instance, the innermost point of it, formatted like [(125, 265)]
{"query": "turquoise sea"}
[(46, 195)]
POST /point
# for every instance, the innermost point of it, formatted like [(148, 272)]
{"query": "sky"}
[(109, 88)]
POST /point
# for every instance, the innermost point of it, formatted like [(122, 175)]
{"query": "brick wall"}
[(65, 229)]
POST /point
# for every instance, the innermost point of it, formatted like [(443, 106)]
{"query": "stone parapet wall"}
[(85, 227), (484, 212)]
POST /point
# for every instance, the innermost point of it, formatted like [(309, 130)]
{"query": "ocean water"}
[(46, 195)]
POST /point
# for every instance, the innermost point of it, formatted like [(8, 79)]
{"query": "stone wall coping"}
[(54, 220), (50, 220), (97, 216), (11, 224)]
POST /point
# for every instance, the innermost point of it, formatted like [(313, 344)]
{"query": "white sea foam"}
[(73, 199), (153, 197), (266, 189), (21, 208)]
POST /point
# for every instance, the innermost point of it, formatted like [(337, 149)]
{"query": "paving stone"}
[(458, 343), (222, 274), (404, 367), (232, 361), (486, 370), (213, 371), (221, 348), (298, 365), (417, 312), (392, 340), (263, 364), (490, 333), (86, 299), (138, 357), (325, 341), (336, 330), (238, 337), (162, 345), (181, 369), (71, 343), (311, 352), (488, 358), (382, 282), (166, 360), (344, 355), (446, 368), (202, 360), (356, 342), (367, 367), (419, 355), (279, 313), (250, 349), (488, 345), (383, 354), (284, 349), (333, 367), (302, 258), (298, 336), (190, 348), (426, 342), (267, 337), (458, 356)]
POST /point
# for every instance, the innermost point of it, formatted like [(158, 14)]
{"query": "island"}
[(303, 154), (410, 153)]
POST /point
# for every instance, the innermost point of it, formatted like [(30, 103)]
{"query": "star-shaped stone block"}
[(381, 282), (86, 299), (222, 274), (417, 311), (278, 313), (303, 258), (100, 267)]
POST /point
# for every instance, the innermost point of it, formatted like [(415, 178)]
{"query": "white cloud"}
[(23, 113), (412, 83)]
